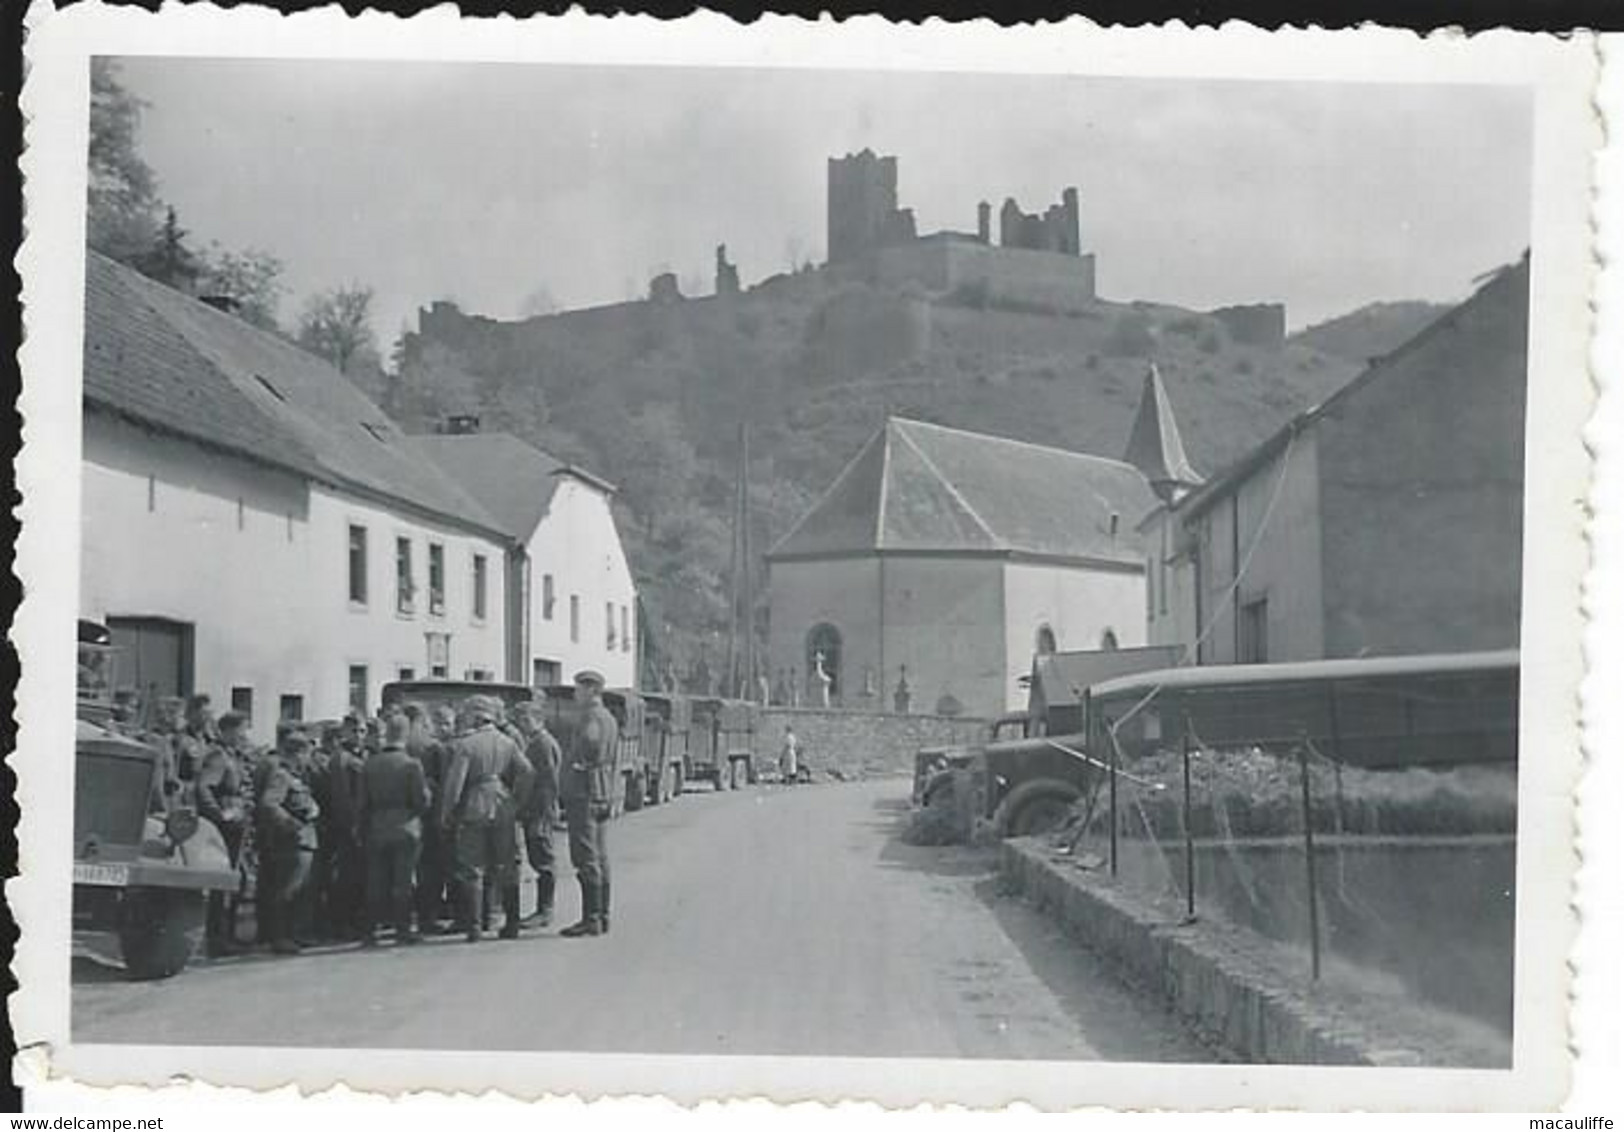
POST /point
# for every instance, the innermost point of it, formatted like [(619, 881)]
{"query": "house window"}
[(481, 674), (358, 565), (479, 587), (439, 654), (545, 673), (1254, 632), (405, 672), (575, 618), (290, 707), (625, 630), (242, 702), (547, 597), (609, 616), (405, 587), (436, 578), (358, 687)]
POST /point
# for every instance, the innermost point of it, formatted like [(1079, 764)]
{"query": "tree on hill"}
[(168, 259), (337, 325), (252, 277), (122, 206)]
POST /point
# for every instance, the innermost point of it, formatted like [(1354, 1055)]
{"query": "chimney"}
[(460, 424)]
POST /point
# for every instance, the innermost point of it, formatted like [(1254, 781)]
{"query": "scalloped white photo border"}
[(1562, 72)]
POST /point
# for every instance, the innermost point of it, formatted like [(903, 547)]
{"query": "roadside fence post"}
[(1189, 834), (1308, 847)]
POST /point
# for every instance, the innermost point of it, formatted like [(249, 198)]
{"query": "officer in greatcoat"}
[(394, 798), (484, 782), (589, 770)]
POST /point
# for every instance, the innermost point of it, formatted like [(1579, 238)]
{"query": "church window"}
[(1046, 643), (1108, 640)]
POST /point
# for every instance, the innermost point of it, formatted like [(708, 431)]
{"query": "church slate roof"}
[(513, 479), (927, 488), (172, 363)]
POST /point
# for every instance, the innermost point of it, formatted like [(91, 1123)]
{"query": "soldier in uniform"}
[(394, 798), (164, 737), (222, 796), (195, 739), (339, 863), (540, 810), (589, 767), (429, 742), (486, 778), (285, 815)]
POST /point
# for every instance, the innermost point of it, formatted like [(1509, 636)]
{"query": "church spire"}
[(1154, 445)]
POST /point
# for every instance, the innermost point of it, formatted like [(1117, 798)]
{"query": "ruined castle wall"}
[(1260, 324), (1013, 276)]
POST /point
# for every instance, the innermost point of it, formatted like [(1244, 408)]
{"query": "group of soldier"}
[(411, 820)]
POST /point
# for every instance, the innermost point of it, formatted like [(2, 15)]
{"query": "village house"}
[(255, 528), (1385, 521), (957, 556), (577, 603)]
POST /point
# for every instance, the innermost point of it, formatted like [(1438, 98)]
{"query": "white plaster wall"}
[(577, 543), (267, 594), (1078, 602)]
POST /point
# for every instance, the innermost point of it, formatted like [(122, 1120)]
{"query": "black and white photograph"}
[(736, 559)]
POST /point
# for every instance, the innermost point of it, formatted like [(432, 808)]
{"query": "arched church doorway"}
[(1046, 645), (823, 645)]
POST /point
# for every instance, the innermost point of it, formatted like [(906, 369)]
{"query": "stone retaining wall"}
[(862, 743), (1245, 992)]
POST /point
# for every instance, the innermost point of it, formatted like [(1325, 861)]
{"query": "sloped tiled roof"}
[(925, 487), (514, 480), (176, 364)]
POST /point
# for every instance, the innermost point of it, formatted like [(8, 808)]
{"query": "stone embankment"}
[(1250, 994)]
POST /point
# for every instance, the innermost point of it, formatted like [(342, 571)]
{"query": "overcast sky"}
[(489, 183)]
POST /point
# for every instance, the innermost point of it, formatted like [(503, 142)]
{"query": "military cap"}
[(298, 740), (231, 721), (482, 709), (590, 676)]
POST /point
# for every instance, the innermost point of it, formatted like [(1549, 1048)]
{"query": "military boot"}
[(603, 906), (510, 911), (588, 923), (543, 915)]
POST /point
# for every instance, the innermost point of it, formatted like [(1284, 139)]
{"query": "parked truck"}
[(669, 723), (143, 865)]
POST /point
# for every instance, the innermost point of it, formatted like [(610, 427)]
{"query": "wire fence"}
[(1371, 831)]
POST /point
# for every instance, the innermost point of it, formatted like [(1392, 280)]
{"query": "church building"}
[(948, 559)]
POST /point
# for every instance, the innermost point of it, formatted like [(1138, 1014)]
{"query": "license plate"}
[(101, 874)]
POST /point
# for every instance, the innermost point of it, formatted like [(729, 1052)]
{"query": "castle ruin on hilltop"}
[(1037, 262)]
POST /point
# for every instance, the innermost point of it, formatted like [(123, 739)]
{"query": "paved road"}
[(767, 921)]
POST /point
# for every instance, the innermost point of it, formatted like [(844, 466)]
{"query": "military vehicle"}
[(143, 865), (669, 719), (432, 693), (706, 757)]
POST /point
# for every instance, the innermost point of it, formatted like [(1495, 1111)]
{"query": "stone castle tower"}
[(863, 212)]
